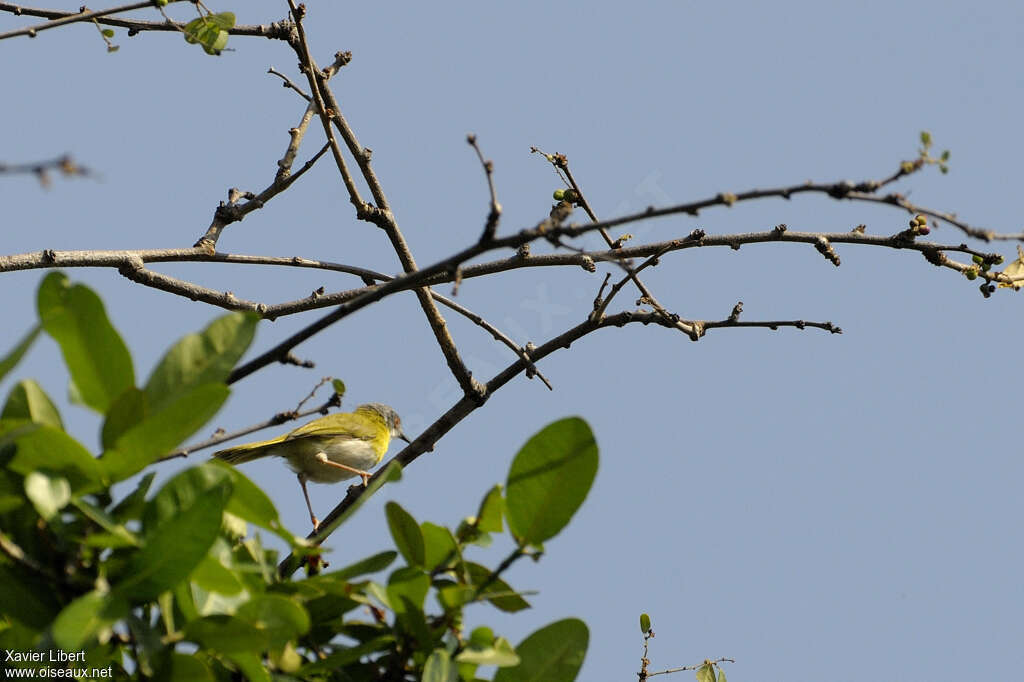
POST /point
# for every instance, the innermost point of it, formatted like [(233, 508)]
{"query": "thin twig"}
[(491, 226)]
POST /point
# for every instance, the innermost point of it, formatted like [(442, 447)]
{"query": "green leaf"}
[(491, 509), (131, 506), (97, 359), (197, 359), (721, 675), (11, 360), (339, 388), (500, 653), (555, 652), (250, 503), (926, 141), (549, 479), (251, 666), (213, 576), (184, 523), (439, 668), (706, 673), (944, 157), (128, 410), (186, 668), (223, 20), (28, 400), (87, 617), (410, 583), (406, 534), (26, 597), (439, 545), (504, 597), (48, 494), (281, 619), (377, 562), (163, 431), (645, 623), (48, 449), (121, 536), (226, 634)]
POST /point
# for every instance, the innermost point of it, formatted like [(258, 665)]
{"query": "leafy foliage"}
[(172, 586)]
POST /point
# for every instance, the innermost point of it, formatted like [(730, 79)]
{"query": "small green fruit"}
[(558, 194), (971, 274), (977, 259)]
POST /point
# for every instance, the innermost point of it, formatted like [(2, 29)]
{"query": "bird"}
[(329, 449)]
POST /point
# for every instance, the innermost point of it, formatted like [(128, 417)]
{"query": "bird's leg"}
[(365, 475), (305, 493)]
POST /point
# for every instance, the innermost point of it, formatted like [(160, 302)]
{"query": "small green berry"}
[(986, 267), (999, 260), (558, 194), (977, 259), (971, 273)]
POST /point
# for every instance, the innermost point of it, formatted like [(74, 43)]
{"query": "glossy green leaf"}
[(372, 564), (226, 634), (406, 534), (408, 582), (86, 617), (203, 358), (213, 576), (161, 432), (48, 494), (11, 360), (706, 673), (491, 510), (645, 623), (28, 400), (250, 665), (549, 479), (279, 618), (439, 668), (438, 544), (498, 592), (127, 410), (45, 448), (555, 652), (97, 359)]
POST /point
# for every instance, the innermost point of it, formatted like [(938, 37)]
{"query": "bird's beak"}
[(404, 437)]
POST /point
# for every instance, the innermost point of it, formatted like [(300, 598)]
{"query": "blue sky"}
[(814, 506)]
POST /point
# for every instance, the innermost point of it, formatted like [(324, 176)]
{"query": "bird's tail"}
[(248, 452)]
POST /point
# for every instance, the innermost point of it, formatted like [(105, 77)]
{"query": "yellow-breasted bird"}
[(329, 449)]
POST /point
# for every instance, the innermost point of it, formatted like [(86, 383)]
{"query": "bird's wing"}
[(339, 425)]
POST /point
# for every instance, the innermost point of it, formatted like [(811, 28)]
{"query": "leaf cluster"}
[(172, 585)]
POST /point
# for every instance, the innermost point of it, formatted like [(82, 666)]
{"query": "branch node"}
[(824, 247), (734, 316)]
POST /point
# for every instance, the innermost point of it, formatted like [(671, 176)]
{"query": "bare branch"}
[(280, 30)]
